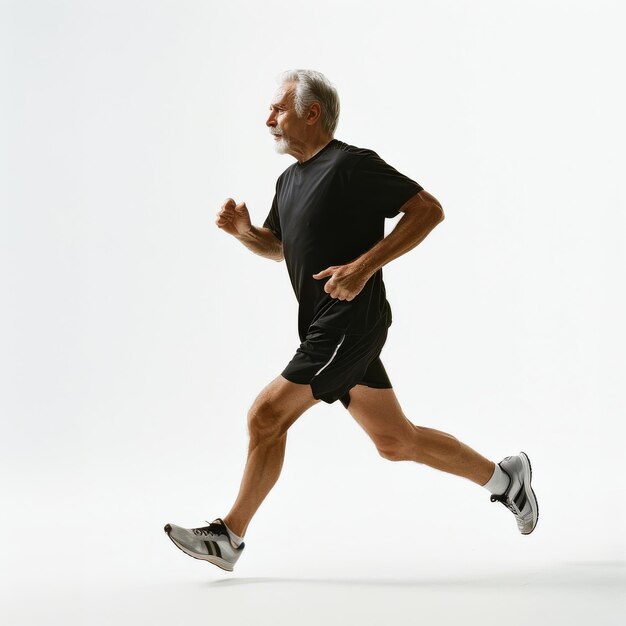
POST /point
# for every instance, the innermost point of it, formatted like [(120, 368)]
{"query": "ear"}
[(315, 112)]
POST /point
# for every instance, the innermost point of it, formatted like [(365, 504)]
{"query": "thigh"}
[(280, 403), (379, 413)]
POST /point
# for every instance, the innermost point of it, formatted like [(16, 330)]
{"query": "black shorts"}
[(333, 362)]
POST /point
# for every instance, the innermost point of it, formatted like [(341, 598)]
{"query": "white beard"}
[(281, 145)]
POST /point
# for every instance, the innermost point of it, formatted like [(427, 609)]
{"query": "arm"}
[(422, 213), (234, 219), (262, 241)]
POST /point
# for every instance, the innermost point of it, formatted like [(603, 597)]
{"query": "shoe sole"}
[(530, 494), (215, 560)]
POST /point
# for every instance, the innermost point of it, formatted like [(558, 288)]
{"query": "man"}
[(327, 223)]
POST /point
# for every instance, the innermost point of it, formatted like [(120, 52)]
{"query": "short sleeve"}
[(380, 188), (272, 221)]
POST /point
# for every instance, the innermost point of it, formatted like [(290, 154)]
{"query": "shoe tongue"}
[(218, 521)]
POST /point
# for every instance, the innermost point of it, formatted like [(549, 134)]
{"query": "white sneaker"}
[(210, 543), (519, 497)]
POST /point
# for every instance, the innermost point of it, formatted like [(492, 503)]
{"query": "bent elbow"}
[(438, 214)]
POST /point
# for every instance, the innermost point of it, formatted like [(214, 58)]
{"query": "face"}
[(286, 127)]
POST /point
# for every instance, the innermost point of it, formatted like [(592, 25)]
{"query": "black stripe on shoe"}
[(213, 548), (520, 499), (216, 546)]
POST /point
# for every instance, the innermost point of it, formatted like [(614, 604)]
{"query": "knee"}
[(417, 444), (266, 422), (392, 448), (430, 443)]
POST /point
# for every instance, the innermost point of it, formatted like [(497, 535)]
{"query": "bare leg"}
[(274, 410), (378, 412)]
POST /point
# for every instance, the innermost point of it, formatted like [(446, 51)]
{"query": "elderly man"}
[(327, 223)]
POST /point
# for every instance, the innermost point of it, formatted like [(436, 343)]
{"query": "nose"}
[(271, 120)]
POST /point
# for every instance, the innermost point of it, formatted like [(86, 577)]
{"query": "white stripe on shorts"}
[(332, 357)]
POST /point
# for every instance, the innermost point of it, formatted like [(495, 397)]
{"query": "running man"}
[(327, 223)]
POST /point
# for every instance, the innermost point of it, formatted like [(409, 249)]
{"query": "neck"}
[(310, 149)]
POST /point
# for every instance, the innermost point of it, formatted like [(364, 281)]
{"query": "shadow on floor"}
[(566, 575)]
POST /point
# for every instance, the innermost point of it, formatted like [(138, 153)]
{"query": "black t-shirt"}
[(327, 211)]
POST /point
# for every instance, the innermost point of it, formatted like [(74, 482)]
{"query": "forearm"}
[(261, 241), (422, 213), (411, 230)]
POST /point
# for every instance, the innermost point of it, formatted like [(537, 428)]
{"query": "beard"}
[(281, 145)]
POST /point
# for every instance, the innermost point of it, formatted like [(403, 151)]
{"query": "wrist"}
[(365, 266), (246, 234)]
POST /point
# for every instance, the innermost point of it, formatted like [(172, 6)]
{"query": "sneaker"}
[(210, 543), (519, 496)]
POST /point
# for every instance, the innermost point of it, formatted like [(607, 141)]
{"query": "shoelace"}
[(212, 529), (506, 501), (521, 521)]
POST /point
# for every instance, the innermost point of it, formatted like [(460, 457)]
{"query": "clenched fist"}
[(346, 281), (234, 218)]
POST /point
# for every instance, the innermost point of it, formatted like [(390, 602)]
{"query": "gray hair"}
[(310, 87)]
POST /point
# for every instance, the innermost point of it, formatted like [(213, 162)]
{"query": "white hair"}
[(310, 87)]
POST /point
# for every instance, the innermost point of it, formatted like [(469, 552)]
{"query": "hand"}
[(346, 281), (234, 218)]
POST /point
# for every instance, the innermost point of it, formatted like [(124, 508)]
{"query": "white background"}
[(135, 334)]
